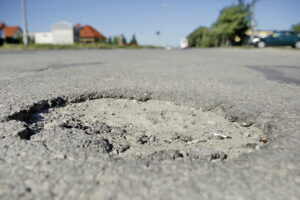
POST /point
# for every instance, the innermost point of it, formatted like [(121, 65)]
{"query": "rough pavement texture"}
[(131, 129), (256, 88)]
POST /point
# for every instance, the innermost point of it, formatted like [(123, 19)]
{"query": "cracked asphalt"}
[(257, 87)]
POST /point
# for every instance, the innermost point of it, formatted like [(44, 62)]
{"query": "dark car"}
[(279, 38)]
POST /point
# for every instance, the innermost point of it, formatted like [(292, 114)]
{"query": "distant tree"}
[(241, 2), (232, 22), (296, 28), (116, 40), (109, 41), (124, 41), (207, 40), (133, 41), (199, 37)]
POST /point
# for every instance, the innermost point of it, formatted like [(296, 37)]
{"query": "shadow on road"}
[(275, 75)]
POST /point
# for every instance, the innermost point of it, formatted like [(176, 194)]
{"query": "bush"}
[(199, 38)]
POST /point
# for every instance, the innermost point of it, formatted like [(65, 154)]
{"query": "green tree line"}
[(116, 40)]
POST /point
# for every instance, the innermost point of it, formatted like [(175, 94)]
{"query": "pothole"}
[(131, 129)]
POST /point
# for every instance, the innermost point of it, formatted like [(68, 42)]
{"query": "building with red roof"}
[(11, 34), (88, 34), (1, 25)]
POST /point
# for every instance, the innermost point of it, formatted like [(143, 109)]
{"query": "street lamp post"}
[(24, 20), (253, 17), (158, 34)]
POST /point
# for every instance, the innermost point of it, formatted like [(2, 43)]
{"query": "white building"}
[(184, 43), (43, 38), (64, 33)]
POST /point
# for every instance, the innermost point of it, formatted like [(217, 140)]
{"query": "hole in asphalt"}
[(132, 129)]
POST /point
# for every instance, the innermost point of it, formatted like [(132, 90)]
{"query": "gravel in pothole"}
[(154, 130)]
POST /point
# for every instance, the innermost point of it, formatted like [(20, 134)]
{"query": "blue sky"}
[(175, 19)]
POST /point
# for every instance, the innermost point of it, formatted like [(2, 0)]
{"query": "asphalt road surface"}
[(51, 147)]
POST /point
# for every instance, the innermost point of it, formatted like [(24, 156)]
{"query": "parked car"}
[(278, 38)]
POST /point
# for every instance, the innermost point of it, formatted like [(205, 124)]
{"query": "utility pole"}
[(24, 20), (253, 17)]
